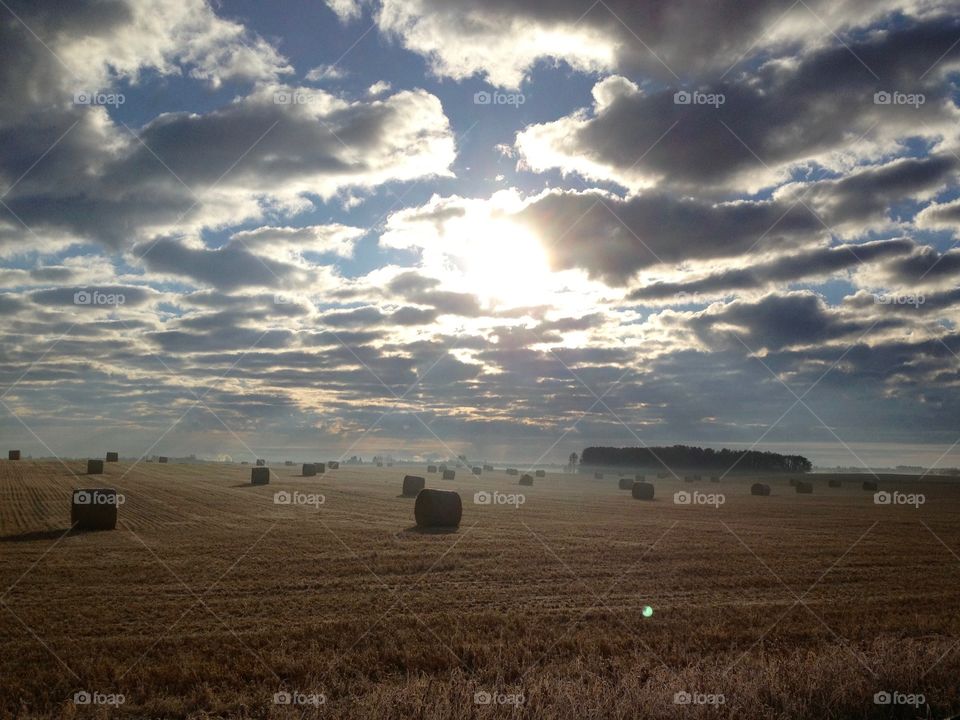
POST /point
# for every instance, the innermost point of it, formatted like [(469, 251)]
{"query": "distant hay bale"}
[(541, 473), (626, 483), (488, 468), (512, 471), (691, 478), (835, 482), (333, 465), (309, 470), (431, 468), (759, 489), (598, 476), (642, 490), (321, 468), (412, 484), (526, 479), (113, 457), (13, 455), (438, 508), (640, 478), (288, 463), (162, 459), (662, 475), (870, 485), (94, 467), (442, 468), (449, 474), (261, 463), (259, 476), (804, 487), (715, 478), (476, 470), (93, 509), (793, 482), (379, 464)]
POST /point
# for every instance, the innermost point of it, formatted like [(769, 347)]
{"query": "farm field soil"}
[(581, 602)]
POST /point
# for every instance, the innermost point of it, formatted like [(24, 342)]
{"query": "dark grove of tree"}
[(693, 458)]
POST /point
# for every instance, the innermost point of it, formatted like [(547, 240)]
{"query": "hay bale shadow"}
[(417, 530), (40, 535)]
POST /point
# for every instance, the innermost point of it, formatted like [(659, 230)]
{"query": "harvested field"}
[(209, 598)]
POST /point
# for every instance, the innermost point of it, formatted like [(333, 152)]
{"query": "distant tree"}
[(685, 457), (572, 462)]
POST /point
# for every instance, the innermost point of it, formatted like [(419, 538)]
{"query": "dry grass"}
[(209, 598)]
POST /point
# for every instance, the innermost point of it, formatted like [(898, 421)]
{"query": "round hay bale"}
[(476, 470), (640, 478), (626, 483), (333, 465), (13, 455), (804, 488), (512, 471), (598, 476), (93, 509), (690, 478), (259, 476), (288, 463), (261, 462), (113, 457), (870, 485), (541, 473), (379, 464), (438, 508), (526, 479), (309, 470), (835, 482), (94, 467), (162, 459), (412, 484), (715, 478), (431, 468), (642, 491), (449, 474), (662, 475), (488, 468), (321, 468), (759, 489)]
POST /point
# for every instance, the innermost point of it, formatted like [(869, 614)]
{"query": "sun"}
[(505, 264)]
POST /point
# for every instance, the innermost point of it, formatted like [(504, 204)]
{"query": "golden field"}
[(209, 598)]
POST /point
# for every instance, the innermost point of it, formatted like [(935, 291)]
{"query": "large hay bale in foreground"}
[(449, 474), (309, 470), (94, 467), (759, 489), (870, 485), (259, 476), (626, 483), (642, 491), (526, 479), (333, 465), (113, 457), (438, 508), (431, 468), (476, 470), (13, 455), (541, 473), (93, 509), (804, 488), (412, 484), (835, 482), (162, 459), (261, 462)]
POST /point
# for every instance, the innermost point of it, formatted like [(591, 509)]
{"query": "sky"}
[(509, 230)]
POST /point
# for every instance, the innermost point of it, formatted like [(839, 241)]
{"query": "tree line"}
[(694, 458)]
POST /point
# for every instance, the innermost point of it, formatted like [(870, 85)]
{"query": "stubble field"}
[(581, 602)]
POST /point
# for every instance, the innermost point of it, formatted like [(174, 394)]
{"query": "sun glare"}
[(505, 264)]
